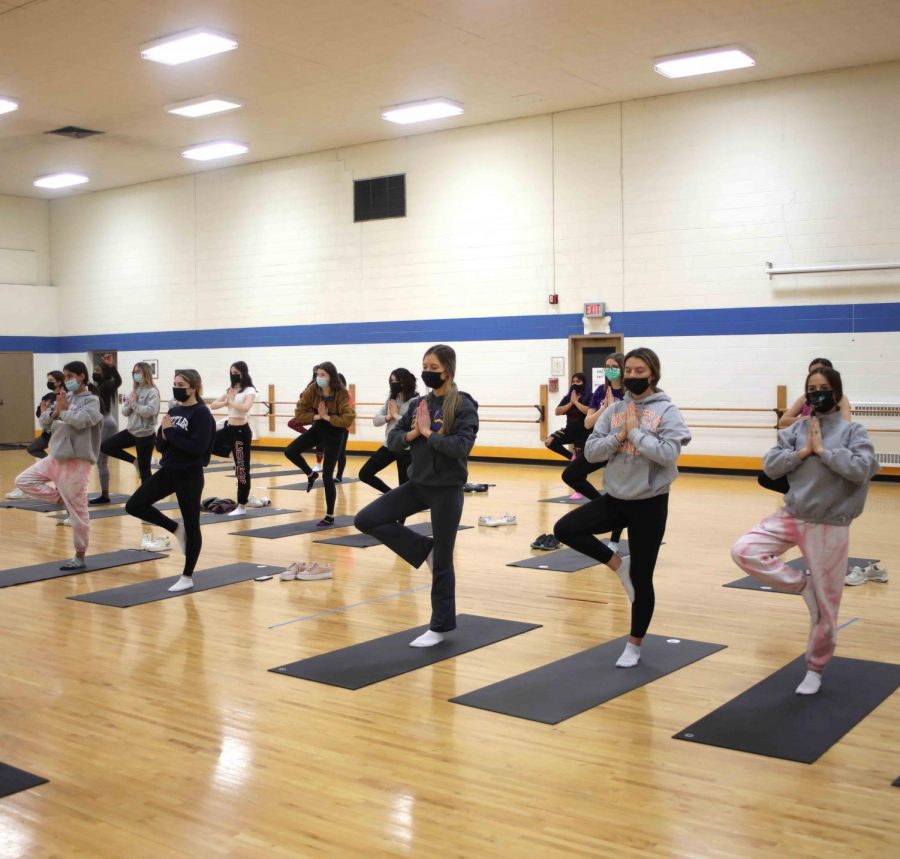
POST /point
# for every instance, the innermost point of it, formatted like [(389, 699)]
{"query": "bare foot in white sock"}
[(630, 657), (427, 639), (811, 684), (183, 584)]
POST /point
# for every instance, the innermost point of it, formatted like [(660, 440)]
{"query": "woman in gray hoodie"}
[(640, 439), (828, 462)]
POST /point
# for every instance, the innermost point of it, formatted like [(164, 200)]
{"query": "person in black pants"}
[(108, 381), (55, 384), (235, 437), (574, 405), (185, 440), (325, 406), (342, 453), (402, 390), (640, 439), (439, 430)]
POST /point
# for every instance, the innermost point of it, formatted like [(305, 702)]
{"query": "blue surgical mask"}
[(322, 381), (138, 377), (72, 385)]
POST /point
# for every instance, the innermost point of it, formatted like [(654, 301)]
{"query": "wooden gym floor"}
[(164, 735)]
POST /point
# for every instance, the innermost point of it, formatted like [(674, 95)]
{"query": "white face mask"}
[(138, 377)]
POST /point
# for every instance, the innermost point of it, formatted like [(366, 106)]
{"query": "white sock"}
[(427, 639), (630, 657), (183, 584), (180, 538), (624, 574), (239, 510), (613, 547), (811, 684), (809, 597)]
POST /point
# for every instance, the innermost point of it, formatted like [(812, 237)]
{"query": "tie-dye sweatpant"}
[(71, 478)]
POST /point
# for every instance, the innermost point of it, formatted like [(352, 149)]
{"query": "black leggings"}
[(235, 441), (646, 523), (330, 442), (575, 475), (776, 485), (381, 459), (576, 436), (38, 448), (382, 518), (187, 485), (115, 446), (342, 455)]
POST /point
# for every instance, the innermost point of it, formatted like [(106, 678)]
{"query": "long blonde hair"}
[(147, 370), (447, 358)]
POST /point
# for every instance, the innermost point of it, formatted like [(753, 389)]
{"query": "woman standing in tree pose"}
[(185, 440), (828, 462), (402, 389), (141, 407), (439, 429), (235, 437), (639, 439), (574, 405)]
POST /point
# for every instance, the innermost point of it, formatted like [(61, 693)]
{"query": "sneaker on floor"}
[(856, 576), (549, 543), (538, 541), (253, 501), (314, 573), (290, 573), (505, 519), (16, 493), (149, 543), (874, 573)]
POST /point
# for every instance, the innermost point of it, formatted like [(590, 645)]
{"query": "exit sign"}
[(596, 308)]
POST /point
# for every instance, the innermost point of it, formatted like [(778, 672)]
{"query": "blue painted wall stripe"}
[(797, 319)]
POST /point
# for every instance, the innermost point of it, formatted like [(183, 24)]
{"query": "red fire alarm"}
[(553, 385), (554, 298)]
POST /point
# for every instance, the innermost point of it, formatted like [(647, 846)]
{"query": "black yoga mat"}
[(562, 689), (364, 541), (113, 512), (748, 583), (51, 570), (318, 484), (373, 661), (771, 719), (141, 593), (560, 561), (293, 529), (564, 499), (46, 507), (13, 780)]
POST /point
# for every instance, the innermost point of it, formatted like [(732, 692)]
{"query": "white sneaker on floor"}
[(874, 573), (185, 583), (490, 522), (253, 501), (315, 572), (149, 543), (16, 493), (856, 576)]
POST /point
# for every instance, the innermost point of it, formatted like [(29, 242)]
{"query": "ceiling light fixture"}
[(187, 46), (422, 111), (60, 180), (204, 106), (216, 149), (703, 62), (7, 105)]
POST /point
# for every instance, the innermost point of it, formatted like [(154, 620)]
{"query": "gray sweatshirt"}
[(830, 488), (75, 434), (643, 466), (142, 416), (380, 418)]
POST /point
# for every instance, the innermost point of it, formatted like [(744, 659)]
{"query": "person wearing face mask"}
[(141, 407), (73, 423), (828, 462), (107, 380), (439, 430), (325, 407), (640, 439), (108, 429), (402, 386), (574, 405), (185, 440), (235, 437)]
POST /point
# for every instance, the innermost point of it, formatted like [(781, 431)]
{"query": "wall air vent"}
[(383, 197), (74, 132)]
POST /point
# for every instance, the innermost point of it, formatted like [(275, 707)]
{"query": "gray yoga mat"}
[(13, 780), (141, 593), (564, 499), (373, 661), (318, 484), (293, 529), (562, 689), (364, 541), (771, 719), (51, 570), (46, 507), (748, 583), (559, 561)]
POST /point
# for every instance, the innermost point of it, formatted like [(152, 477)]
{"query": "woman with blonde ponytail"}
[(439, 430)]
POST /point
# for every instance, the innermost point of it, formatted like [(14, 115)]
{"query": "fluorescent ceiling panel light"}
[(422, 111), (211, 151), (703, 62), (7, 105), (60, 180), (205, 106), (187, 46)]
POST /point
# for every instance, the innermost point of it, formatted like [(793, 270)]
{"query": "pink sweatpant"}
[(71, 478), (824, 548)]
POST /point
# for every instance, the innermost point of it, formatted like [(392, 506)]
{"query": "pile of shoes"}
[(871, 573), (497, 521), (253, 501), (547, 542), (306, 572)]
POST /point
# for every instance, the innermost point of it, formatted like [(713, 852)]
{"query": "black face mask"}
[(396, 387), (97, 377), (180, 394), (235, 379), (577, 386), (51, 386), (636, 386), (821, 401), (432, 379)]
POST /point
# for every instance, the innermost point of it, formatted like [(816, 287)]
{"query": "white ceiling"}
[(315, 74)]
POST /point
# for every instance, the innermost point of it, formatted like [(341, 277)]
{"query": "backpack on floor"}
[(218, 505)]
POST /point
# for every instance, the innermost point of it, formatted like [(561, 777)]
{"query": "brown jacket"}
[(339, 407)]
